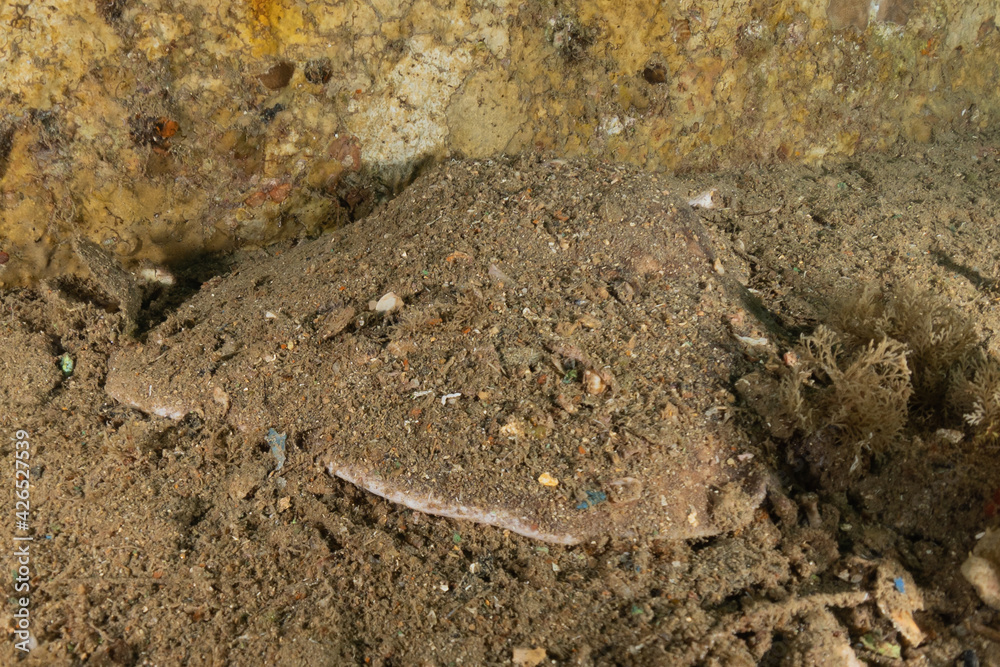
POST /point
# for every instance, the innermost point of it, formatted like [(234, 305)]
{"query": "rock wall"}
[(165, 128)]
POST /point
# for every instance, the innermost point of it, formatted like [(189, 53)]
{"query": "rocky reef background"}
[(166, 129)]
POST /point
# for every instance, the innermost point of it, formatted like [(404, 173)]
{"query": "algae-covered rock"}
[(161, 130), (982, 568)]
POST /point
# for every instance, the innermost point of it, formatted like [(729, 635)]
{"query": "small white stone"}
[(157, 274), (388, 303), (593, 382), (612, 125), (707, 199)]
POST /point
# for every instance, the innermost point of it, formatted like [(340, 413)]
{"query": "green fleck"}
[(570, 376), (66, 364), (636, 610), (889, 650), (456, 538)]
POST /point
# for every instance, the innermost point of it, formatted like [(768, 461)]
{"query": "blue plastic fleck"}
[(277, 443), (900, 585), (593, 498)]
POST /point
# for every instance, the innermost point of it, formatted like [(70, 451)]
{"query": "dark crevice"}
[(6, 145)]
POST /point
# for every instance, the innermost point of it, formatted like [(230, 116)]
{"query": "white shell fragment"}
[(753, 342), (388, 303), (157, 274), (708, 199)]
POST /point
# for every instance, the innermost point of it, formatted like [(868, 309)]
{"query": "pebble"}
[(545, 479), (708, 199), (593, 382), (980, 568), (528, 657), (388, 303)]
